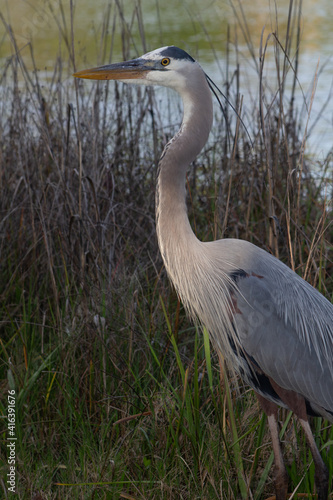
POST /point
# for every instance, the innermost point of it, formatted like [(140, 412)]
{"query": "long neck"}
[(175, 236)]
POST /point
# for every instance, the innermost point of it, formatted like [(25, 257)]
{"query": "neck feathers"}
[(175, 236)]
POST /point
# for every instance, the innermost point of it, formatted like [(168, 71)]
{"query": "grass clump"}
[(117, 394)]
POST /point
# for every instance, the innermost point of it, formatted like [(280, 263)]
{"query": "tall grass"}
[(118, 394)]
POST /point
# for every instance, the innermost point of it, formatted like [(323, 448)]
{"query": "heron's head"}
[(167, 66)]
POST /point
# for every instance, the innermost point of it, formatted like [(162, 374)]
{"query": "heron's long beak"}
[(129, 70)]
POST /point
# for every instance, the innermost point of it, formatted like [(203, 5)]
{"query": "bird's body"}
[(273, 328), (270, 337)]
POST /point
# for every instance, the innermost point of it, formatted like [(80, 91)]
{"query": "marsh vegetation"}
[(118, 394)]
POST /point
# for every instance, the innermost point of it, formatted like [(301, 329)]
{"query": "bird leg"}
[(281, 477), (296, 403), (321, 472)]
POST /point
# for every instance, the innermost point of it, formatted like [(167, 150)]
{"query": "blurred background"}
[(202, 28)]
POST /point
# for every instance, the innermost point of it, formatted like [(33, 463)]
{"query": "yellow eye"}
[(165, 61)]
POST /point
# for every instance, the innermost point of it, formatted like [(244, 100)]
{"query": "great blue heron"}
[(274, 329)]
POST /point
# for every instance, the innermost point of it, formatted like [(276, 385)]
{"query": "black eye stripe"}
[(176, 53)]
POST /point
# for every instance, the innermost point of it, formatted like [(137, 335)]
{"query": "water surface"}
[(203, 28)]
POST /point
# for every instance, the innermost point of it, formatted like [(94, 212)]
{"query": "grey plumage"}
[(272, 327)]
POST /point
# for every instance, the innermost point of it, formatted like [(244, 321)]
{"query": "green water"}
[(200, 27)]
